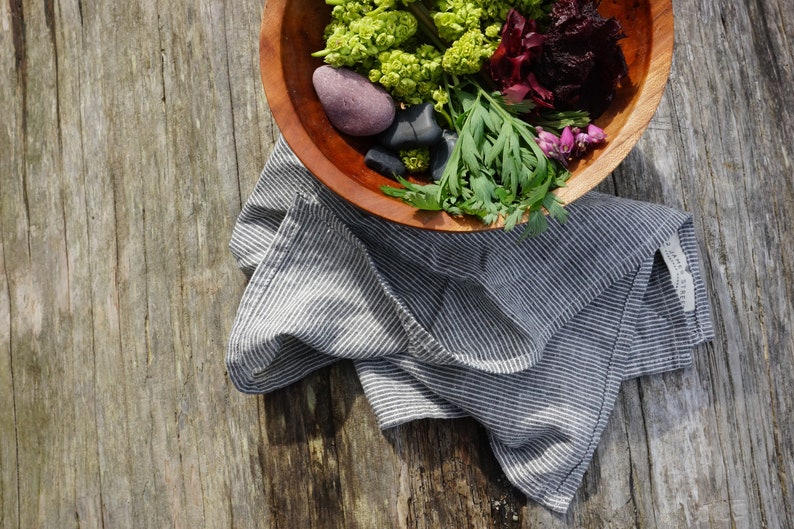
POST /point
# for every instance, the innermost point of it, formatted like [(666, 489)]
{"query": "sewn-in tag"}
[(677, 264)]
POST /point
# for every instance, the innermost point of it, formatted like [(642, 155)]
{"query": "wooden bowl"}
[(292, 29)]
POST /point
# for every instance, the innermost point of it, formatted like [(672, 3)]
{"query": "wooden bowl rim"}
[(283, 109)]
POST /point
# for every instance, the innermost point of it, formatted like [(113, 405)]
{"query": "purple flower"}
[(571, 143), (551, 146), (596, 134), (585, 141), (581, 144), (566, 142), (550, 149), (547, 136)]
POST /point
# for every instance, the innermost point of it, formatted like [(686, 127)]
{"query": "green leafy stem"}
[(496, 169)]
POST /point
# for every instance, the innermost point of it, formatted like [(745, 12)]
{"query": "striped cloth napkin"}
[(532, 338)]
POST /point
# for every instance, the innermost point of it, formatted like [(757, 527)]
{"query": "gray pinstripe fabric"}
[(532, 339)]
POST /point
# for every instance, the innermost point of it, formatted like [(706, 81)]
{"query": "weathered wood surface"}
[(130, 134)]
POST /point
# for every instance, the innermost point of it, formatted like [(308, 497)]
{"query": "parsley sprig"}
[(496, 169)]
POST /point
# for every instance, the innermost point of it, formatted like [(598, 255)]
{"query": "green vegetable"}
[(356, 36), (496, 170), (454, 17), (471, 28), (466, 32), (557, 120), (416, 160), (467, 54), (409, 77)]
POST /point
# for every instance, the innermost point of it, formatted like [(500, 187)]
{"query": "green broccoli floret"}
[(344, 12), (467, 54), (416, 160), (409, 77), (486, 11), (471, 29), (392, 4), (452, 24), (359, 40), (379, 38)]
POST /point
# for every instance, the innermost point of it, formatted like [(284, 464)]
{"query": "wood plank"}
[(130, 135)]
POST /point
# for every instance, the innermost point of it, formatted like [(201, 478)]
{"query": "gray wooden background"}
[(130, 134)]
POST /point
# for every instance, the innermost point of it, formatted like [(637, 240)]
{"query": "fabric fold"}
[(532, 339)]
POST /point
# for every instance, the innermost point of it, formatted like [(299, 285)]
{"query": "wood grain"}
[(130, 134)]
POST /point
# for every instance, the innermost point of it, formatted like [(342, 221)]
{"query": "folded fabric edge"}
[(396, 398), (243, 370), (249, 362), (686, 304), (558, 497)]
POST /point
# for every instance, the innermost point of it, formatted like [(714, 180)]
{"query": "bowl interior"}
[(289, 34)]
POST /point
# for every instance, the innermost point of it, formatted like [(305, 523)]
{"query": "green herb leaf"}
[(419, 196), (554, 206), (513, 218), (469, 153), (536, 225), (557, 120), (496, 169)]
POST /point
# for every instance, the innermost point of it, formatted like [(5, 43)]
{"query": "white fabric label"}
[(680, 275)]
